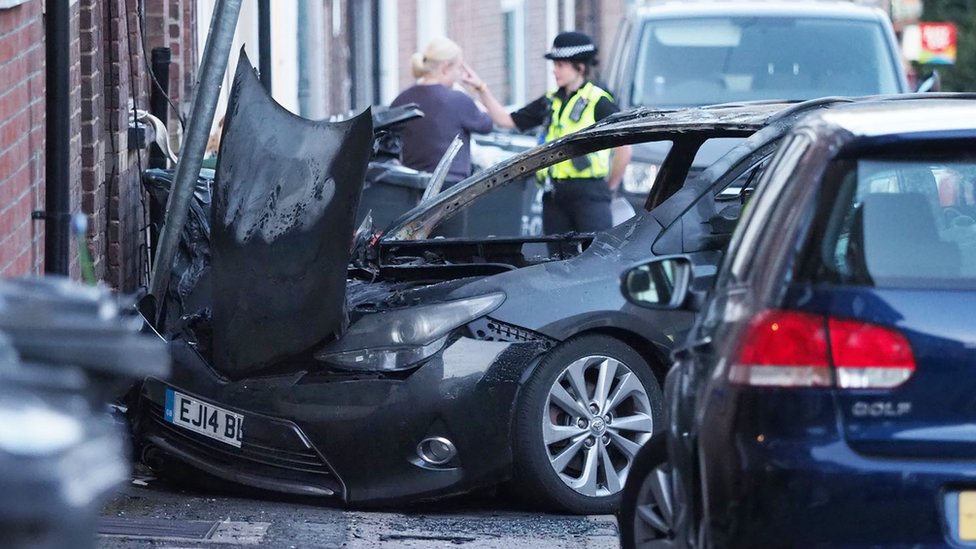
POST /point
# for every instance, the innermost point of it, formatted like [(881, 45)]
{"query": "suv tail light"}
[(794, 349)]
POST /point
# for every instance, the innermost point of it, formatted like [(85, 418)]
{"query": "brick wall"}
[(110, 194), (601, 20), (92, 92), (110, 80), (478, 27), (21, 139), (171, 24), (107, 77)]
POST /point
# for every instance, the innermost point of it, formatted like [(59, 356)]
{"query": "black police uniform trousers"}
[(581, 205)]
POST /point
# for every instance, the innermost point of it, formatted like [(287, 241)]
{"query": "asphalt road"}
[(152, 513)]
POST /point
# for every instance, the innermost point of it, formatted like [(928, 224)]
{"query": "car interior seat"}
[(901, 239)]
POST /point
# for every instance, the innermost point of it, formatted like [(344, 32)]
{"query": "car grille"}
[(289, 460)]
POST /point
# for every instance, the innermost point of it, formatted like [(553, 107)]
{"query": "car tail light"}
[(795, 349), (783, 348), (867, 356)]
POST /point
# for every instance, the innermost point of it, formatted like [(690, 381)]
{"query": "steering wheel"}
[(955, 217)]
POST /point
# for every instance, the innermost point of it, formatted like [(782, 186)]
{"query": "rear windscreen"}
[(901, 224), (684, 62)]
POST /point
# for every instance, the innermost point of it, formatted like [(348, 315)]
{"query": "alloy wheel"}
[(654, 512), (597, 416)]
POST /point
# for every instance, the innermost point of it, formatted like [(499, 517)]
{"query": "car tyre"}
[(647, 507), (580, 420)]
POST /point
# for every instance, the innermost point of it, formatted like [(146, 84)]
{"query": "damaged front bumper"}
[(355, 437)]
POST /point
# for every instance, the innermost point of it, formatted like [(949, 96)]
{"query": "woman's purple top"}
[(447, 113)]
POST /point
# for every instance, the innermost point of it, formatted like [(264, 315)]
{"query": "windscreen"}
[(700, 61)]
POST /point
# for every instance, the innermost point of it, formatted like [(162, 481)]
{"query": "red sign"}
[(938, 43)]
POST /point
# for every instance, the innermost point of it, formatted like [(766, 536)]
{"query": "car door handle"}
[(695, 346)]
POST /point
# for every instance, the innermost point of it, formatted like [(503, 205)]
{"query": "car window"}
[(770, 186), (744, 184), (902, 223), (707, 60)]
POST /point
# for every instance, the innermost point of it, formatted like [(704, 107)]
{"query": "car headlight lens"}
[(395, 340), (639, 177)]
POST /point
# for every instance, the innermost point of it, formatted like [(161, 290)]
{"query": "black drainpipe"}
[(375, 30), (264, 43), (158, 103), (57, 152)]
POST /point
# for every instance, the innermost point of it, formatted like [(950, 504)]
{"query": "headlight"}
[(397, 339), (639, 177)]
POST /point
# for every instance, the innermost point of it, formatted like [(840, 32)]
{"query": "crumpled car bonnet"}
[(285, 197)]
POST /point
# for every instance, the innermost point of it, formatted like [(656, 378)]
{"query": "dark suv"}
[(825, 393), (678, 54)]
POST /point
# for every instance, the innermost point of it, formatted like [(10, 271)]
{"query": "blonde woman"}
[(447, 111)]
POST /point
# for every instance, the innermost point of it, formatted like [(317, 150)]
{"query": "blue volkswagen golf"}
[(827, 392)]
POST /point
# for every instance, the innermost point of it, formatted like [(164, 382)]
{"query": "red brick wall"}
[(109, 81), (171, 24), (110, 194), (21, 139), (93, 201), (477, 26), (601, 19)]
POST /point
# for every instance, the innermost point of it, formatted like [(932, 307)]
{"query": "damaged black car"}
[(377, 366)]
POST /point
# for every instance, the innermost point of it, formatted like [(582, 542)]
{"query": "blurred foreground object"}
[(65, 350)]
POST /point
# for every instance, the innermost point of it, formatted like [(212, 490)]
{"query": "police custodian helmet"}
[(572, 46)]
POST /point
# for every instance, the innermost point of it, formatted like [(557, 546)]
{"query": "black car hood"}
[(284, 202)]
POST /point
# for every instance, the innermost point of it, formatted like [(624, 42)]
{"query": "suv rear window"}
[(705, 60), (903, 224)]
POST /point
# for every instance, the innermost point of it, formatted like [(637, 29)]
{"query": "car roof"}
[(780, 8), (919, 114)]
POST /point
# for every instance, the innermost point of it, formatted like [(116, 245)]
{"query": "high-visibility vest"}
[(579, 113)]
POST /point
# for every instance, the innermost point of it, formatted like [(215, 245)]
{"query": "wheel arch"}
[(656, 357), (636, 343)]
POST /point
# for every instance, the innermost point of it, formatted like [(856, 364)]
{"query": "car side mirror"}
[(932, 83), (662, 283)]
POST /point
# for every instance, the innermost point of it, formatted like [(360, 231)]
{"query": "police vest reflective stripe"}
[(579, 113)]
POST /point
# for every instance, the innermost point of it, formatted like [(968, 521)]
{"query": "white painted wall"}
[(389, 51), (284, 48), (552, 29), (517, 7), (431, 21)]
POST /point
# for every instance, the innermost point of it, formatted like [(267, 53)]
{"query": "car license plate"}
[(204, 418), (967, 516)]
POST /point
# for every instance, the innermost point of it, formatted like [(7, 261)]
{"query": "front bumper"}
[(777, 472), (353, 437)]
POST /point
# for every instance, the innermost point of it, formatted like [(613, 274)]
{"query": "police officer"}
[(579, 190)]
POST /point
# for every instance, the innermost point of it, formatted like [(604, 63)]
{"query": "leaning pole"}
[(212, 69)]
